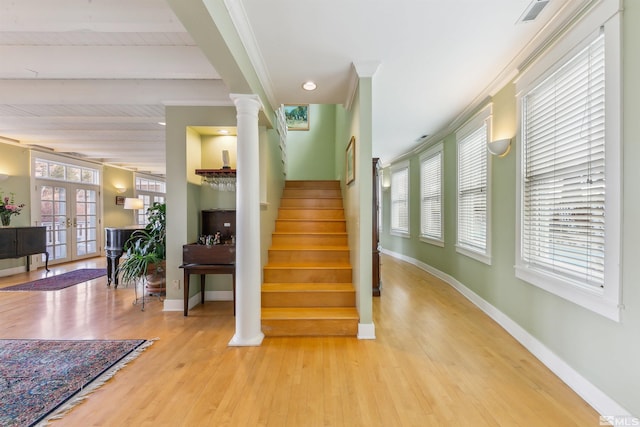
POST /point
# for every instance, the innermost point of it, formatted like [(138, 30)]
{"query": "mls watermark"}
[(619, 420)]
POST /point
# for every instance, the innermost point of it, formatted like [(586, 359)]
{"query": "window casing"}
[(400, 199), (473, 213), (151, 191), (431, 198), (569, 167)]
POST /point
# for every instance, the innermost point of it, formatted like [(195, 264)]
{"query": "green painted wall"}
[(602, 351), (310, 154)]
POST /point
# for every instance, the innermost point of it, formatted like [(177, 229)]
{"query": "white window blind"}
[(563, 217), (400, 200), (431, 195), (472, 191)]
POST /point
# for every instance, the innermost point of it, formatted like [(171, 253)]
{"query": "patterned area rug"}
[(59, 281), (41, 380)]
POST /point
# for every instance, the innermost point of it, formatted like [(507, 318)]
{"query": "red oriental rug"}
[(41, 380)]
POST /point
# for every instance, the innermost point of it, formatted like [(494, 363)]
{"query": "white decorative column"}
[(248, 277)]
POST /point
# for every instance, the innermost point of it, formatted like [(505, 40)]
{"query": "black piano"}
[(115, 238)]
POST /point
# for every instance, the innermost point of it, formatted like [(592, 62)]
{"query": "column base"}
[(242, 342)]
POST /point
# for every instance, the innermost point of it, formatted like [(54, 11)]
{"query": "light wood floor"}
[(437, 361)]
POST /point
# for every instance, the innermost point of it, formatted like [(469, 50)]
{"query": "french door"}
[(70, 213)]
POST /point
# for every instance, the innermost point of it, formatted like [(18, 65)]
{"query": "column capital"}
[(248, 101)]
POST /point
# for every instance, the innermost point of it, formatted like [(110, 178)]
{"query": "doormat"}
[(59, 281), (41, 380)]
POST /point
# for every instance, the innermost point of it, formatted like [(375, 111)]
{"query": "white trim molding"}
[(366, 331), (595, 397)]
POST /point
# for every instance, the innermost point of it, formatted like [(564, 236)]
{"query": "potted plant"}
[(146, 252)]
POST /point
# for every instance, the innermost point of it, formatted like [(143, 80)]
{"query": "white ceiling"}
[(93, 76)]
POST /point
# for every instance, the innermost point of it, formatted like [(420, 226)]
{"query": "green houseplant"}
[(145, 252)]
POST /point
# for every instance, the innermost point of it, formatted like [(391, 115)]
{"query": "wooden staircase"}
[(308, 288)]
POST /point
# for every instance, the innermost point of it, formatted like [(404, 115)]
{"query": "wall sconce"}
[(500, 147), (133, 203), (120, 189), (4, 177)]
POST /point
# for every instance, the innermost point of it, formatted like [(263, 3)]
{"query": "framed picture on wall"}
[(297, 116), (119, 200), (350, 161)]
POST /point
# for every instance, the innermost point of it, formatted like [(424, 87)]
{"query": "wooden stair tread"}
[(318, 313), (313, 233), (308, 248), (312, 220), (307, 265), (301, 287)]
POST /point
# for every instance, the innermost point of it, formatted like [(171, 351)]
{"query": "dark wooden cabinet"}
[(219, 220), (16, 242), (375, 229)]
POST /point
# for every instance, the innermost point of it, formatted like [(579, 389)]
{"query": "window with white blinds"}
[(569, 168), (400, 199), (472, 192), (563, 212), (431, 195)]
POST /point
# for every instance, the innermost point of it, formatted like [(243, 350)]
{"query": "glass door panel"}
[(53, 214), (85, 222), (71, 222)]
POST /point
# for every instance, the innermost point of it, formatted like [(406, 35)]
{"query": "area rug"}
[(59, 281), (41, 379)]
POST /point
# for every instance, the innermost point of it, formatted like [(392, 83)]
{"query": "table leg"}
[(186, 291), (203, 283)]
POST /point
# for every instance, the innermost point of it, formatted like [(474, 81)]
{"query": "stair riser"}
[(320, 257), (312, 184), (308, 299), (303, 275), (310, 203), (309, 327), (311, 226), (309, 240), (311, 214), (311, 193)]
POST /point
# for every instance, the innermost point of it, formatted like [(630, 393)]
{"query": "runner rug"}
[(41, 380), (59, 281)]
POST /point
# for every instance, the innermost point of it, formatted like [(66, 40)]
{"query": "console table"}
[(16, 242), (203, 260)]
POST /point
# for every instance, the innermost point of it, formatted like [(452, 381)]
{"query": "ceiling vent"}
[(533, 10)]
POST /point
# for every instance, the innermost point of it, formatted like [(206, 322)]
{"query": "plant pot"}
[(156, 278)]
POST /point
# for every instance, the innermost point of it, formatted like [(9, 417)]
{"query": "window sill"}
[(483, 258), (398, 233), (431, 241), (592, 299)]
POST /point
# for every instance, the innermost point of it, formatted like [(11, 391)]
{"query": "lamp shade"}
[(499, 147), (133, 203)]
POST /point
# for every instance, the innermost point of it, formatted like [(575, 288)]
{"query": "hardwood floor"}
[(437, 361)]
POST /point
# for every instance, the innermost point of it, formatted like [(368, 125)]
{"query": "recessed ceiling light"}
[(162, 123), (309, 85)]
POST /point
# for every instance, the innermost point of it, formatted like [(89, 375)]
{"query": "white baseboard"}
[(178, 305), (366, 331), (595, 397), (12, 271)]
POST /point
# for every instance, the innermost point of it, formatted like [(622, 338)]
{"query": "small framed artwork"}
[(350, 161), (119, 200), (297, 116)]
